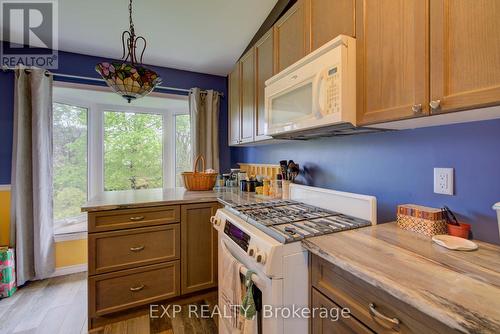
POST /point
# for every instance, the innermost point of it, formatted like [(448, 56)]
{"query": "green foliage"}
[(133, 148), (70, 159)]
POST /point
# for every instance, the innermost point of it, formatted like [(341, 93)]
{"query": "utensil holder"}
[(285, 185)]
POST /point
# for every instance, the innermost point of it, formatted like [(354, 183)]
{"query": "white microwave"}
[(316, 95)]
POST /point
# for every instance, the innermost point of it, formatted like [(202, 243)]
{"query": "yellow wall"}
[(68, 253), (4, 217)]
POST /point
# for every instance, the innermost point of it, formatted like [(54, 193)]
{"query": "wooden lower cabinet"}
[(122, 290), (339, 324), (173, 254), (369, 306), (199, 247)]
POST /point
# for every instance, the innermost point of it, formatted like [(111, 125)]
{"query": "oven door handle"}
[(243, 269)]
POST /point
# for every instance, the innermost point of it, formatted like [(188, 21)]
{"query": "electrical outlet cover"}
[(443, 181)]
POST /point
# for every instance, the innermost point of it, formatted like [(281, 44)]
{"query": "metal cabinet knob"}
[(417, 108), (435, 104)]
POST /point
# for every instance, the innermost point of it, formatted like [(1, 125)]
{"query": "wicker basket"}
[(199, 181), (423, 220)]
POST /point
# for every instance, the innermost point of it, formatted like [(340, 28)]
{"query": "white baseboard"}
[(77, 268)]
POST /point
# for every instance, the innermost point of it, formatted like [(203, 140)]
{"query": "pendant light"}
[(129, 78)]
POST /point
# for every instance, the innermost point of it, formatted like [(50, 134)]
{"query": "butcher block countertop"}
[(460, 289), (130, 199)]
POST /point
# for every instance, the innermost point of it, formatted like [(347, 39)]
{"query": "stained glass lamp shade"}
[(129, 78), (131, 81)]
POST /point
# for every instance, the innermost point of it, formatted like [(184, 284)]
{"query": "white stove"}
[(264, 237)]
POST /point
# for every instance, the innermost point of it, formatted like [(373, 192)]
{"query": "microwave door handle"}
[(317, 86)]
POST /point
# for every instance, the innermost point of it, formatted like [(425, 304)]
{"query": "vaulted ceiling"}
[(197, 35)]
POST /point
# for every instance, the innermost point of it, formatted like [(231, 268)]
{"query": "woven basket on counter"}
[(199, 181), (421, 219)]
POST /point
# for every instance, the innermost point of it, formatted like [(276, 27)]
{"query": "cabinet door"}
[(465, 53), (198, 247), (247, 96), (329, 18), (328, 325), (290, 33), (264, 62), (392, 59), (234, 105)]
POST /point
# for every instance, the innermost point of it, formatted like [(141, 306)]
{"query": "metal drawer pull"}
[(135, 219), (137, 288), (137, 249), (392, 323)]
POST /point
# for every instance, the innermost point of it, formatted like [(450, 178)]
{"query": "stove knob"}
[(215, 221), (261, 257), (252, 251)]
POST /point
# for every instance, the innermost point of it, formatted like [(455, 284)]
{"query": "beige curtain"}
[(204, 112), (31, 204)]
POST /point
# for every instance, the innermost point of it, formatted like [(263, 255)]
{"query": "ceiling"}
[(197, 35)]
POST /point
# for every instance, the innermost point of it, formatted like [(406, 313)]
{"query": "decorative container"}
[(461, 230), (285, 188), (7, 272), (421, 219), (199, 181)]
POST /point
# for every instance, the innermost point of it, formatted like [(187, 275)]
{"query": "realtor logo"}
[(29, 33)]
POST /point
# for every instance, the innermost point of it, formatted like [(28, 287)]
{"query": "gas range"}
[(288, 221)]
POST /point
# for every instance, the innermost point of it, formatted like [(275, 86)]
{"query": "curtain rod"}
[(70, 76)]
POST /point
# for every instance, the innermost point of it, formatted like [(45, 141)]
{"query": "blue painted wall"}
[(81, 65), (397, 168)]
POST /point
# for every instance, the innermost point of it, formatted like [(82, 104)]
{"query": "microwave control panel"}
[(332, 91)]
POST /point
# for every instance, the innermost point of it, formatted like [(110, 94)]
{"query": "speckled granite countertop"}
[(128, 199), (460, 289)]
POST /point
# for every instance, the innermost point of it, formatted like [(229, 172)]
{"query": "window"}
[(182, 147), (70, 166), (102, 143), (133, 148)]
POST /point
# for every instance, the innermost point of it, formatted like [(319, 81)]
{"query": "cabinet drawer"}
[(130, 218), (129, 288), (328, 325), (111, 251), (346, 290)]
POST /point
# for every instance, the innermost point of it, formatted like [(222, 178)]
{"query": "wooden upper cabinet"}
[(247, 96), (290, 36), (329, 18), (264, 64), (392, 59), (234, 105), (465, 53), (198, 247)]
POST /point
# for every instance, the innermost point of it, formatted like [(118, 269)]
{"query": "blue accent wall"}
[(397, 168), (82, 65)]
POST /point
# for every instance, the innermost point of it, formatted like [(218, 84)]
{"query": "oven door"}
[(271, 289)]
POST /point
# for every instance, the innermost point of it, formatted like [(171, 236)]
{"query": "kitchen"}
[(289, 195)]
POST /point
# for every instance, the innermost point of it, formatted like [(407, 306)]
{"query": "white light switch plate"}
[(443, 181)]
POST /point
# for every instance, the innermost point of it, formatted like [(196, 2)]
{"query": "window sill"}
[(70, 236)]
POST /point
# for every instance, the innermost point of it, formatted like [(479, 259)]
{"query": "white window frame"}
[(95, 139)]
